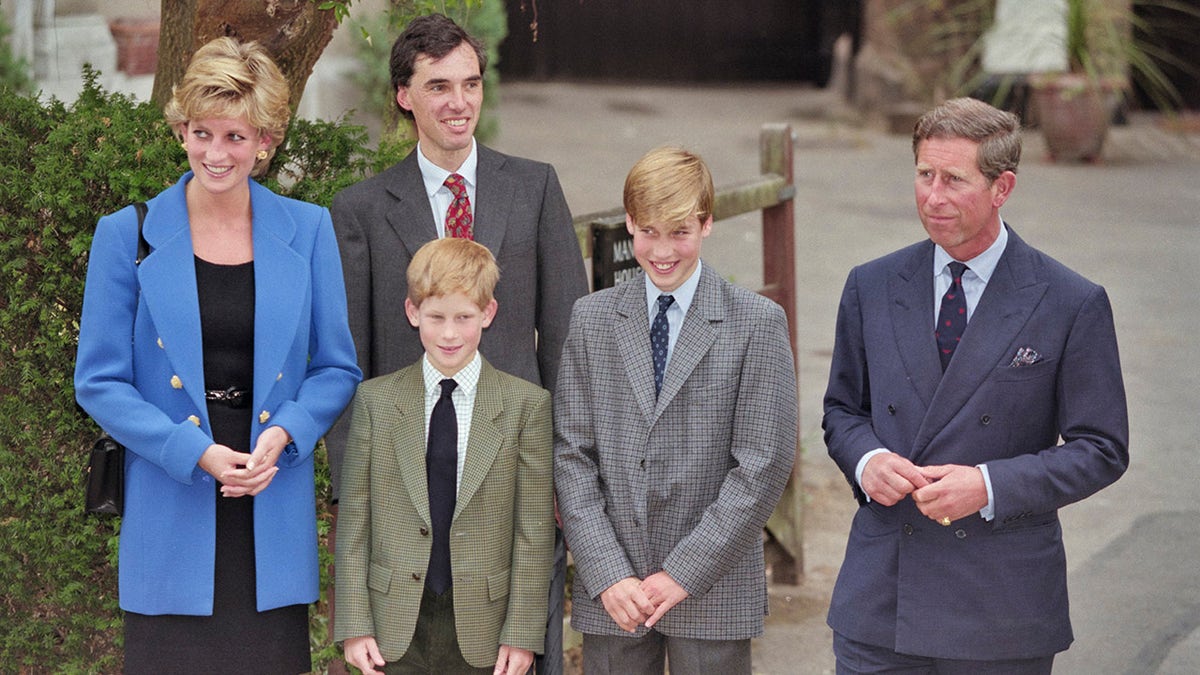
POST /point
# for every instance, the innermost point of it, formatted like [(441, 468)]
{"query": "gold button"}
[(263, 417), (194, 420), (176, 382), (279, 377), (160, 345)]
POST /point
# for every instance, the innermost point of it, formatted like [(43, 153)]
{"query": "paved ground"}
[(1131, 223)]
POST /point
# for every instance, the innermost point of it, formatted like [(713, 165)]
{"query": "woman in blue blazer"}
[(219, 361)]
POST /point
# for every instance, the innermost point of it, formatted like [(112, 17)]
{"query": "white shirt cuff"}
[(989, 511), (862, 464)]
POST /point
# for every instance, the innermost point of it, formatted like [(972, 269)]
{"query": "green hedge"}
[(61, 167)]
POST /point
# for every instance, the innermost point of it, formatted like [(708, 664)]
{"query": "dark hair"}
[(997, 132), (435, 36)]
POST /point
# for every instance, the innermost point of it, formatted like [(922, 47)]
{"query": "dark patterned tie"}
[(458, 216), (441, 470), (659, 338), (952, 317)]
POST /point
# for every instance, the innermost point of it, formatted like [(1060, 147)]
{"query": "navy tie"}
[(952, 317), (659, 338), (441, 470)]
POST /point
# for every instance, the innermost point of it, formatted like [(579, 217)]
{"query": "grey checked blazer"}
[(683, 483), (502, 535)]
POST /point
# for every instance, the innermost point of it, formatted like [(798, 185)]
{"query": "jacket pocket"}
[(498, 583), (379, 578)]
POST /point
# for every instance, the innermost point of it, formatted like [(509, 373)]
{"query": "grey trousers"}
[(621, 655)]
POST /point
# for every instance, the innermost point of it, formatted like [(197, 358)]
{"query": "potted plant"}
[(1107, 44)]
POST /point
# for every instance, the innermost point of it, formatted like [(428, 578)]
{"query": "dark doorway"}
[(676, 40)]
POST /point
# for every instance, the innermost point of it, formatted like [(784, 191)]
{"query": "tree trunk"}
[(295, 33)]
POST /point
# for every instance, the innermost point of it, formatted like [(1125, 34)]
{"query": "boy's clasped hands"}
[(632, 601)]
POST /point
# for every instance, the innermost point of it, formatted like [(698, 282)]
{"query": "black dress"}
[(237, 637)]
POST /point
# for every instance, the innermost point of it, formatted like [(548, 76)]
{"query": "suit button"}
[(985, 420), (416, 577), (194, 420), (908, 529), (176, 383), (263, 417), (642, 463), (424, 531), (961, 534), (891, 409)]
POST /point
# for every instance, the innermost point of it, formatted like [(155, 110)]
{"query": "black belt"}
[(233, 397)]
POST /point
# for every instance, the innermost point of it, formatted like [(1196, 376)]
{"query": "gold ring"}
[(945, 521)]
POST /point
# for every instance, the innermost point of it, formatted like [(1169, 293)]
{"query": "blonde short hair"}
[(228, 79), (452, 265), (669, 185)]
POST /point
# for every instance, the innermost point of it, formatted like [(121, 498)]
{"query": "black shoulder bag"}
[(105, 485)]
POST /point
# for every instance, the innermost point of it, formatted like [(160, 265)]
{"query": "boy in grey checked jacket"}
[(674, 438)]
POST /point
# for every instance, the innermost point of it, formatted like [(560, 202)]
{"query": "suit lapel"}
[(910, 298), (486, 437), (411, 216), (632, 333), (494, 190), (168, 286), (277, 306), (408, 438), (1007, 303), (696, 336)]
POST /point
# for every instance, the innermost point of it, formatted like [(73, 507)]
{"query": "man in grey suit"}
[(513, 206), (675, 433), (975, 390)]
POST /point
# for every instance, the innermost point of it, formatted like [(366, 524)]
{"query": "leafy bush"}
[(61, 167)]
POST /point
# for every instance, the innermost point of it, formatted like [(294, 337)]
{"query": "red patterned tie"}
[(458, 216)]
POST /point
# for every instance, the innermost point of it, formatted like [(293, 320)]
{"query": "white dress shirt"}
[(678, 309), (463, 398)]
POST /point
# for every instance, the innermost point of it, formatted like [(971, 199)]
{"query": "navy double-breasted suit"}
[(1050, 432)]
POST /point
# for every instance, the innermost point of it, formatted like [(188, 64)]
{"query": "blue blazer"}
[(976, 590), (149, 394)]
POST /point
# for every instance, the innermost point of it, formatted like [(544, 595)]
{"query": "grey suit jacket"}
[(502, 535), (683, 483), (1052, 429), (520, 215)]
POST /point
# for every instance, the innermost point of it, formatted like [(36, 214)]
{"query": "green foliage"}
[(14, 72), (485, 19), (61, 167)]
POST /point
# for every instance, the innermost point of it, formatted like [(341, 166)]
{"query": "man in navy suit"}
[(975, 390)]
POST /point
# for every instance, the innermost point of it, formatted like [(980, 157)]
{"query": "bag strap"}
[(143, 247)]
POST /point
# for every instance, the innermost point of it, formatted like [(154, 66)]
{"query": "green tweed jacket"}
[(502, 535)]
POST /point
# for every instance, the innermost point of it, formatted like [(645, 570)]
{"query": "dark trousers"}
[(858, 658), (622, 655), (434, 648), (551, 662)]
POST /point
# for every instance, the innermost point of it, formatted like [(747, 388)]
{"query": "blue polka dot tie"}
[(659, 336), (952, 317), (459, 222)]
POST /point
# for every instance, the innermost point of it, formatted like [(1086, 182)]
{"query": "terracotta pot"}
[(1073, 112), (137, 44)]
